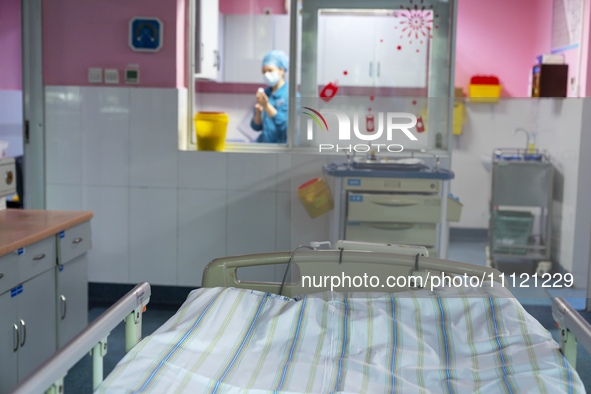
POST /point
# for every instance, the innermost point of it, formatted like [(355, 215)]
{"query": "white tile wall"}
[(64, 197), (201, 232), (105, 136), (251, 221), (63, 155), (154, 131), (109, 257), (252, 172), (206, 170), (153, 235)]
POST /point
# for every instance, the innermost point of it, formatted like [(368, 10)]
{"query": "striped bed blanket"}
[(450, 340)]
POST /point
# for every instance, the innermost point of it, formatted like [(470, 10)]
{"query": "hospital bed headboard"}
[(222, 272)]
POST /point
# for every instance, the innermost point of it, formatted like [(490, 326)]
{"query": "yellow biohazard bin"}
[(315, 197), (210, 128)]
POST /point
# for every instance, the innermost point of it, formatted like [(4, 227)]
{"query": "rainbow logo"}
[(315, 118)]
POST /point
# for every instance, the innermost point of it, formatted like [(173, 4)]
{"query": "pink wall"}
[(10, 45), (251, 6), (502, 38), (78, 35)]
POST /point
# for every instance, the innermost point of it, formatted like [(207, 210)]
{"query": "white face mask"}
[(271, 78)]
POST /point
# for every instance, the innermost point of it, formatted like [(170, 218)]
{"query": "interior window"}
[(240, 72)]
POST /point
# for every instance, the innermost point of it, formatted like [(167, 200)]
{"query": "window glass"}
[(241, 70)]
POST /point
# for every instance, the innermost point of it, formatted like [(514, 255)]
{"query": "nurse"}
[(270, 111)]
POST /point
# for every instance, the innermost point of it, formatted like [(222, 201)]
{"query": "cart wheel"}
[(544, 267)]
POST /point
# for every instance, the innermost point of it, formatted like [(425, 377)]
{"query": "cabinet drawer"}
[(406, 185), (408, 208), (36, 258), (8, 271), (74, 242), (422, 234)]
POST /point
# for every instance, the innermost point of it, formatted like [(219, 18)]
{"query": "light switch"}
[(111, 75), (95, 75)]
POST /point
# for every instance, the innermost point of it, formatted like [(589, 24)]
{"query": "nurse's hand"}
[(257, 114), (262, 99)]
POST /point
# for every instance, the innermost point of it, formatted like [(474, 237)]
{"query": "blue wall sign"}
[(145, 34)]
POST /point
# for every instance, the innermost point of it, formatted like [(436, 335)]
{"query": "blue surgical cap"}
[(276, 58)]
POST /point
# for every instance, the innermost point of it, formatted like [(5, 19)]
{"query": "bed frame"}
[(222, 272)]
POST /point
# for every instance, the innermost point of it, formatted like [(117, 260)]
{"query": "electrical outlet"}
[(95, 75), (111, 75)]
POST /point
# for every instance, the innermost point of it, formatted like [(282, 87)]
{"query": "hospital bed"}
[(233, 336)]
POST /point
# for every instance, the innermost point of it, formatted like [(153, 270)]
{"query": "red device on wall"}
[(369, 123), (329, 91), (420, 124)]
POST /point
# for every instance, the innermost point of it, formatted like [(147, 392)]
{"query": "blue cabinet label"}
[(21, 251), (353, 223), (62, 234), (16, 291), (354, 182), (355, 198)]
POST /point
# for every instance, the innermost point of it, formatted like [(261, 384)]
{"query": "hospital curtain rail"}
[(48, 377)]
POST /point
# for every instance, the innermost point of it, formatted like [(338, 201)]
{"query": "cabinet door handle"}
[(39, 257), (370, 68), (215, 59), (64, 309), (378, 69), (77, 241), (395, 202), (201, 52), (15, 348), (24, 333)]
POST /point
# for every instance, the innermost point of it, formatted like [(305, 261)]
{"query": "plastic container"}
[(484, 93), (511, 228), (210, 128), (459, 118), (315, 197)]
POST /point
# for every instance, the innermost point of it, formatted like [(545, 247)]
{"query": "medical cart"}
[(521, 208)]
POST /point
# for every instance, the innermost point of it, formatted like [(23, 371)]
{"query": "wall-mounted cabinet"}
[(207, 52), (376, 54)]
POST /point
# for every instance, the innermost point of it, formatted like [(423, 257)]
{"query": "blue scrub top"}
[(275, 128)]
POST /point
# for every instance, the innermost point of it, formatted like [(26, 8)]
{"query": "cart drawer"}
[(36, 258), (408, 208), (74, 241), (423, 234), (408, 185), (8, 271)]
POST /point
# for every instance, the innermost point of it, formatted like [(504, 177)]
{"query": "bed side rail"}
[(48, 377), (572, 328)]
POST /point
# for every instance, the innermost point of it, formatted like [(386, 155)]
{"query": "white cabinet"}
[(366, 50), (72, 302), (72, 282), (27, 311), (36, 320), (346, 45), (42, 304), (207, 52), (403, 68), (8, 343)]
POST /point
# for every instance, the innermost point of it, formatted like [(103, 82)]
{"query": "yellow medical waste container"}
[(315, 197), (210, 128), (485, 93)]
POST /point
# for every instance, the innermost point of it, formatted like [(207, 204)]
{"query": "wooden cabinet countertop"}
[(22, 227)]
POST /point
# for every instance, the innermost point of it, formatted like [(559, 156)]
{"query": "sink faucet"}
[(527, 133)]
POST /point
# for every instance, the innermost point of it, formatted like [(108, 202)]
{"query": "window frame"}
[(185, 135)]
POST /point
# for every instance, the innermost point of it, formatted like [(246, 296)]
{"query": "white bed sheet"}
[(226, 340)]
